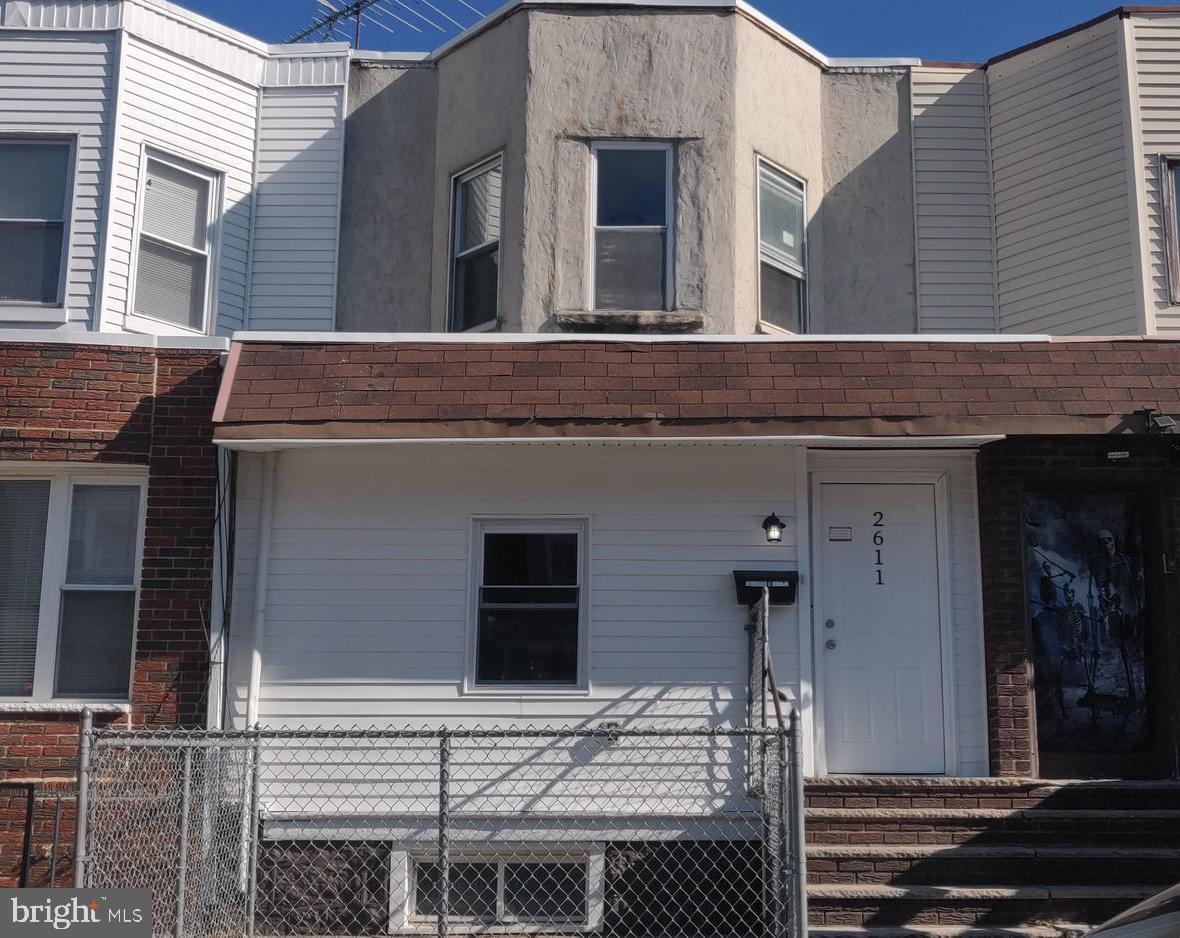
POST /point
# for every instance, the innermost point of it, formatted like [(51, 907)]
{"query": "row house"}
[(470, 380)]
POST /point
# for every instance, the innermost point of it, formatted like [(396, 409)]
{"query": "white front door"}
[(877, 629)]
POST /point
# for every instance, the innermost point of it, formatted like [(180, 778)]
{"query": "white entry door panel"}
[(878, 636)]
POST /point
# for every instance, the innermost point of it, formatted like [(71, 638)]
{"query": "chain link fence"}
[(609, 831)]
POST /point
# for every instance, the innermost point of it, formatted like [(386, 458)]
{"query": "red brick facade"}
[(129, 406)]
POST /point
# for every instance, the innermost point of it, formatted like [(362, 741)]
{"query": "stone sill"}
[(623, 320), (61, 706)]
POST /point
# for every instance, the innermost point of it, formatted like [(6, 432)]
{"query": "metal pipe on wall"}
[(261, 573)]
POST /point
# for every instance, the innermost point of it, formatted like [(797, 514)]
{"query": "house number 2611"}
[(878, 541)]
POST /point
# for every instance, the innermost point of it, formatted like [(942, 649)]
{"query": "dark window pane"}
[(632, 187), (30, 261), (629, 269), (476, 283), (472, 892), (94, 650), (782, 299), (528, 646), (529, 595), (545, 891), (24, 509), (511, 559), (33, 179)]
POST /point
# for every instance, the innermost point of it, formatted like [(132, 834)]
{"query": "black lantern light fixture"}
[(772, 524)]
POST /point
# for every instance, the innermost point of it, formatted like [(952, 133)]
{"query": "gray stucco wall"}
[(867, 213), (661, 76), (387, 212)]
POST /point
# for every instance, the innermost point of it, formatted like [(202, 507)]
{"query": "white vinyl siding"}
[(370, 572), (177, 107), (62, 85), (297, 208), (956, 274), (1155, 44), (1063, 189)]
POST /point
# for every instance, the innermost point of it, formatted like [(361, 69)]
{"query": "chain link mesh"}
[(614, 832)]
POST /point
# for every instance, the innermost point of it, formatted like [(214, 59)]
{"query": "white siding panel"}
[(1156, 45), (1058, 154), (174, 105), (966, 590), (952, 195), (368, 605), (64, 84), (300, 148), (61, 14)]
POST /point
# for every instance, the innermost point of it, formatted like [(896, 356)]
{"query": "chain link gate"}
[(619, 832)]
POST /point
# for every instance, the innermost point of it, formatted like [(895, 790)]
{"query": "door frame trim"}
[(942, 535)]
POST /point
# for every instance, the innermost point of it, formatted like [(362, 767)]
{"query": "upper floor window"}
[(781, 250), (632, 214), (475, 247), (529, 617), (34, 188), (69, 570), (173, 263)]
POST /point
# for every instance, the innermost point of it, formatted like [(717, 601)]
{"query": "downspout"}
[(261, 572), (222, 584)]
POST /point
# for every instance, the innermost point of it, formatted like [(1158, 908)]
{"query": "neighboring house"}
[(893, 287)]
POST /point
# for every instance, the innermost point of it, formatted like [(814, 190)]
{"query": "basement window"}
[(475, 247), (782, 280), (529, 630), (539, 889), (633, 231)]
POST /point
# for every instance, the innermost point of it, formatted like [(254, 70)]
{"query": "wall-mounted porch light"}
[(773, 526)]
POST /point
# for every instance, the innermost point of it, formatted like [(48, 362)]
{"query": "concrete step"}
[(878, 906), (999, 865)]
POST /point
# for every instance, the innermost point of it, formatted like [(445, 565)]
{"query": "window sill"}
[(521, 693), (62, 706), (626, 320), (32, 312), (137, 322)]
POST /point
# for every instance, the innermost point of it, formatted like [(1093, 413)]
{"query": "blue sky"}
[(961, 30)]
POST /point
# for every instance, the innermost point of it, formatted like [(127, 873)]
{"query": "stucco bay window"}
[(34, 197), (782, 270), (173, 269), (475, 247), (633, 218), (529, 608), (69, 575)]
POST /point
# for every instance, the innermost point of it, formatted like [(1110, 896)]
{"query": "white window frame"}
[(786, 266), (54, 310), (553, 525), (53, 576), (142, 322), (402, 898), (454, 255), (669, 226)]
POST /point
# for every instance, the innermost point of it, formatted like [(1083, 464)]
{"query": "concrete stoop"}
[(976, 858)]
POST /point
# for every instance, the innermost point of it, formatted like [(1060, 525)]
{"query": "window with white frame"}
[(173, 261), (1170, 194), (632, 214), (34, 194), (475, 247), (560, 891), (69, 573), (781, 248), (529, 627)]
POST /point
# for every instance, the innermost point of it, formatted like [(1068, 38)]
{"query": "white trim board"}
[(528, 338)]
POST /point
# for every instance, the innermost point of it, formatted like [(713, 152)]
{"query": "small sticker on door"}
[(839, 532)]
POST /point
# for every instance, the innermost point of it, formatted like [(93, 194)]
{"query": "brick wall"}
[(1006, 468), (132, 406)]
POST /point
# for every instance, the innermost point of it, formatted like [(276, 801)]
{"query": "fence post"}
[(182, 862), (252, 831), (444, 859), (83, 798), (798, 836), (786, 902), (56, 840)]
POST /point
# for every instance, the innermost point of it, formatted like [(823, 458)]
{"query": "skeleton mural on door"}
[(1086, 606)]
